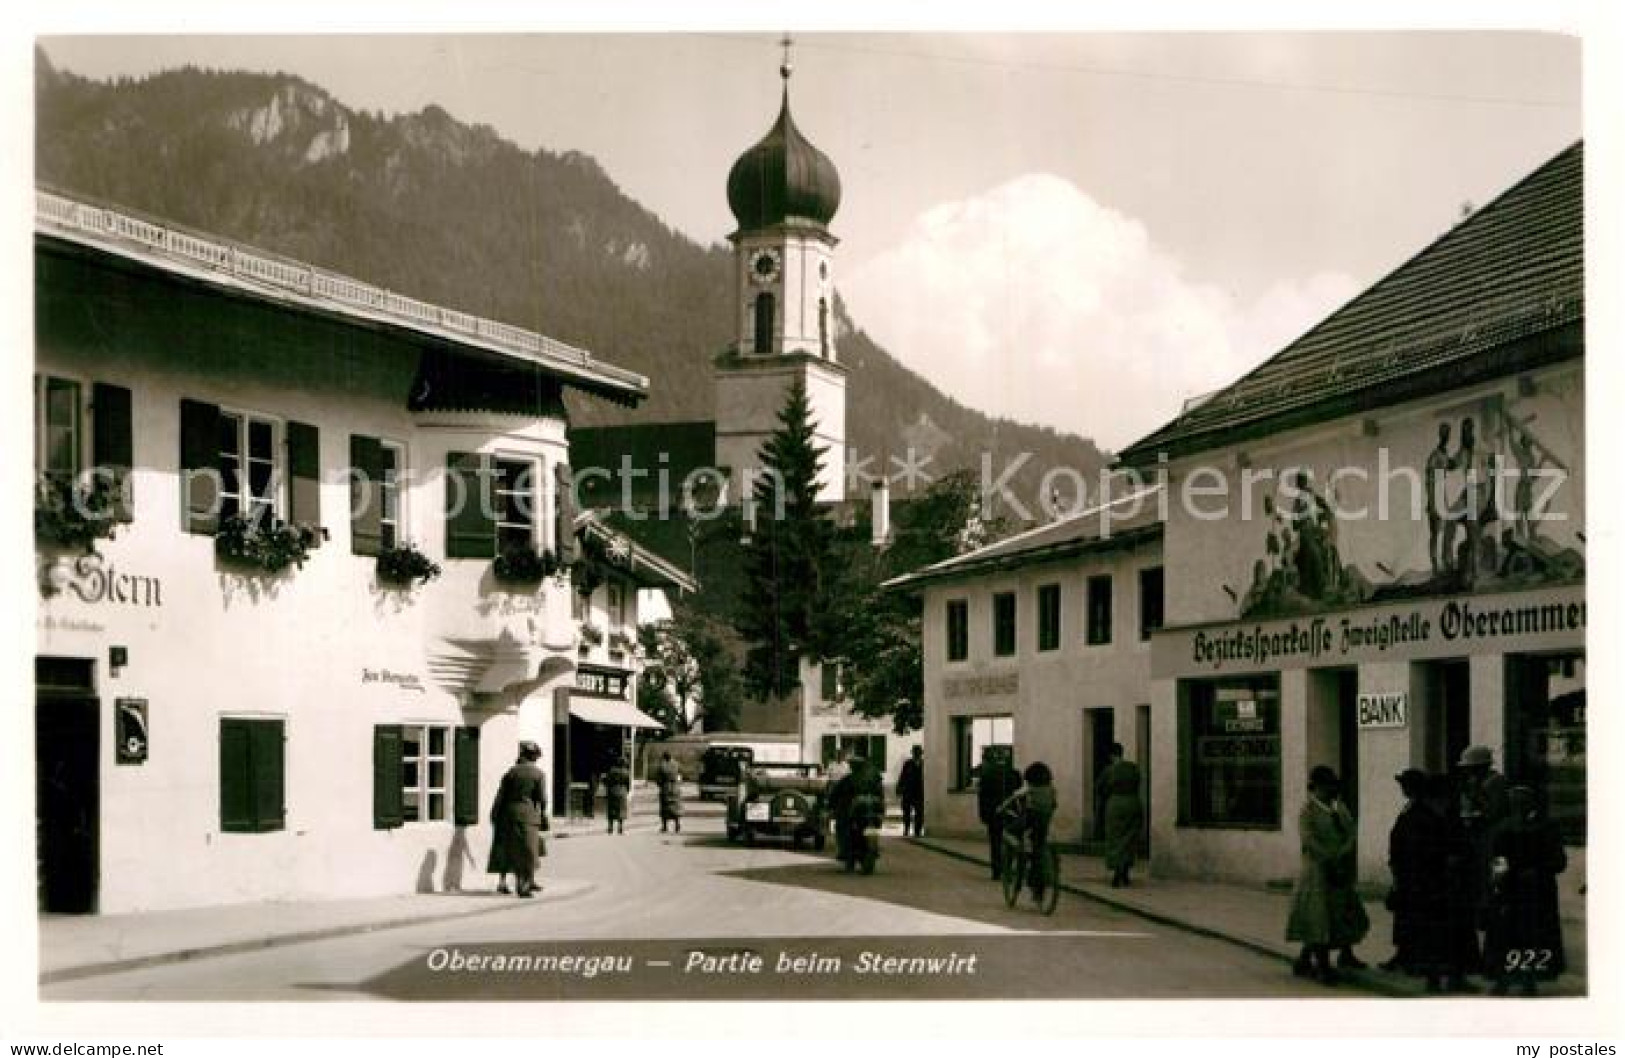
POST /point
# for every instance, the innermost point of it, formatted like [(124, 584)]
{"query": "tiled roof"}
[(1121, 523), (1499, 292)]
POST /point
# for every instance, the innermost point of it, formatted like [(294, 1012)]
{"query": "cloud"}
[(1036, 302)]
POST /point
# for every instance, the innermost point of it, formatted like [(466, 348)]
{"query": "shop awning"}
[(610, 711)]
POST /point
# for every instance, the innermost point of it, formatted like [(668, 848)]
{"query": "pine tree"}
[(788, 554)]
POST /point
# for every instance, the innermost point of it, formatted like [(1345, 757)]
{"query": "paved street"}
[(691, 916)]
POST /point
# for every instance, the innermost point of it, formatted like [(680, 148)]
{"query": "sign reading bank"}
[(1546, 619), (1384, 710)]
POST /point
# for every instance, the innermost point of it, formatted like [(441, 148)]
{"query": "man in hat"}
[(519, 814), (1483, 810), (911, 792)]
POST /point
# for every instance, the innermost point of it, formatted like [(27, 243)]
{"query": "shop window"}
[(1546, 726), (1049, 617), (1004, 624), (1231, 750), (425, 773), (958, 629), (1150, 601), (1098, 619), (251, 775), (972, 736)]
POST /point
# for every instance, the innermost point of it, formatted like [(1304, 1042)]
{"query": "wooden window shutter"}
[(470, 523), (366, 495), (113, 439), (200, 466), (236, 769), (304, 475), (564, 509), (387, 776), (267, 758), (466, 761)]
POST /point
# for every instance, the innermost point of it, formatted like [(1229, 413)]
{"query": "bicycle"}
[(1014, 875)]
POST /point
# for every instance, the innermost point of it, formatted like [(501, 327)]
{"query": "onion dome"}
[(783, 178)]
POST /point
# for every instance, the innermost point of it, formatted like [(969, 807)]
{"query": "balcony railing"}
[(54, 211)]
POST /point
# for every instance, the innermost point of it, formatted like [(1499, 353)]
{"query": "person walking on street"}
[(497, 862), (669, 780), (839, 768), (998, 779), (617, 789), (911, 792), (519, 815), (1119, 787), (1523, 938), (1326, 911)]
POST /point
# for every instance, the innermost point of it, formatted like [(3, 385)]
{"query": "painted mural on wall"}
[(1487, 485)]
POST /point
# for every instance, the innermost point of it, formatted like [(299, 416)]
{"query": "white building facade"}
[(216, 723)]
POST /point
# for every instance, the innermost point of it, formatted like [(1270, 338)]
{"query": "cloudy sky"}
[(1076, 230)]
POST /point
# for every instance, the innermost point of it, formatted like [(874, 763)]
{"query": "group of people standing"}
[(1474, 864)]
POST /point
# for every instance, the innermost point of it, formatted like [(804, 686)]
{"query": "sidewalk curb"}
[(253, 944), (1380, 987)]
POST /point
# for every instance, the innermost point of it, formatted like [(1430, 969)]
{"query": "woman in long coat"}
[(1326, 911), (617, 788), (669, 778), (1524, 938), (518, 814), (1119, 787)]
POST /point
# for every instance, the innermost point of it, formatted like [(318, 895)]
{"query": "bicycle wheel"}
[(1052, 881), (1013, 875)]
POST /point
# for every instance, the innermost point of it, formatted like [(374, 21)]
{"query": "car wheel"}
[(747, 835), (818, 840), (796, 839)]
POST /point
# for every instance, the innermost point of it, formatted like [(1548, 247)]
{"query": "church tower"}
[(783, 193)]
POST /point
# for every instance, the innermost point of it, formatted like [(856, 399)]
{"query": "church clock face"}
[(764, 266)]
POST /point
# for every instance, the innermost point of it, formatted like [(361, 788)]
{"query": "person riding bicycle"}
[(1027, 814)]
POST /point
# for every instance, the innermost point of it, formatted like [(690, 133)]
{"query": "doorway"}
[(67, 784), (1099, 733), (1447, 713), (1334, 728)]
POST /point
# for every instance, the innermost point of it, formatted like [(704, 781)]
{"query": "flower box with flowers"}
[(75, 514), (265, 546), (522, 564), (405, 566)]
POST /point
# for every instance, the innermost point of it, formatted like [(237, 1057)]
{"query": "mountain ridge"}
[(453, 213)]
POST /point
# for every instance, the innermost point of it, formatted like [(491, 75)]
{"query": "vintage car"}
[(780, 801), (721, 770)]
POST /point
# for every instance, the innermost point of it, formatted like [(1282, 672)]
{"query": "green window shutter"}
[(470, 526), (466, 760), (831, 747), (304, 475), (200, 466), (236, 769), (114, 441), (366, 495), (267, 757), (564, 510), (387, 810)]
